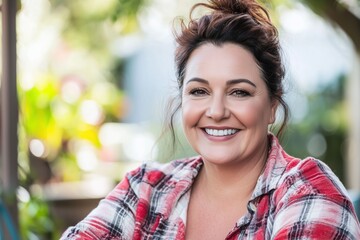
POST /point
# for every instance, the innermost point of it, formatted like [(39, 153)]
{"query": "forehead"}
[(226, 61)]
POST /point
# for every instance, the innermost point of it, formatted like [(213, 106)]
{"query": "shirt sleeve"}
[(113, 218), (314, 205)]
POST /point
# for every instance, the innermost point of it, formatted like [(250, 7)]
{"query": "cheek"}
[(192, 112), (188, 114), (253, 114)]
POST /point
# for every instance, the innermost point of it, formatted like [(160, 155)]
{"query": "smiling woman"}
[(243, 185), (233, 99)]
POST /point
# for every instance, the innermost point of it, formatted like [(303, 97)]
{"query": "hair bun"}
[(228, 6), (239, 7)]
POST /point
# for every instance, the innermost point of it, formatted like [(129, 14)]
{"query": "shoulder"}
[(310, 176), (154, 176), (154, 173), (289, 175), (307, 199), (312, 202)]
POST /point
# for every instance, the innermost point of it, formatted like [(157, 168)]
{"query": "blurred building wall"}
[(149, 80)]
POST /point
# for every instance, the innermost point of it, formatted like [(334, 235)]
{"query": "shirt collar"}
[(182, 177), (276, 164)]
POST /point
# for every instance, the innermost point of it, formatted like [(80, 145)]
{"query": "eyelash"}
[(198, 92), (201, 92), (240, 93)]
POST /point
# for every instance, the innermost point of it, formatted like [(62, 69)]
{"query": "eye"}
[(198, 92), (240, 93)]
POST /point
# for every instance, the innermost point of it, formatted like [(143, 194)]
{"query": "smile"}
[(220, 133)]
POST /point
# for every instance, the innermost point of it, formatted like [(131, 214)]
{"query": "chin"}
[(218, 159)]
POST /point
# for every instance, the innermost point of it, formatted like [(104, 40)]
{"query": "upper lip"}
[(219, 127)]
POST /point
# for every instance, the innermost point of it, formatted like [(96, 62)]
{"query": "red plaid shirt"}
[(293, 199)]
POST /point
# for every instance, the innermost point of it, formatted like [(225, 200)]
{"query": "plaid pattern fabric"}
[(293, 199)]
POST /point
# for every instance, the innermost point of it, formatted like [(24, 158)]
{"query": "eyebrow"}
[(229, 82)]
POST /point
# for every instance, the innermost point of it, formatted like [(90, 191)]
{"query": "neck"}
[(235, 180)]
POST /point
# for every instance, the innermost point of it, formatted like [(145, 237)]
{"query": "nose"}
[(217, 108)]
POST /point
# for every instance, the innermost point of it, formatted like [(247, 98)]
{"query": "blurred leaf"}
[(35, 220)]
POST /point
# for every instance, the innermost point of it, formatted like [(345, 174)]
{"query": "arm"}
[(314, 205), (113, 218)]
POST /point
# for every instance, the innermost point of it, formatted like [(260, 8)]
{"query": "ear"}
[(274, 105)]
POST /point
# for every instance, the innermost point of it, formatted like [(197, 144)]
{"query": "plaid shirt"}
[(293, 199)]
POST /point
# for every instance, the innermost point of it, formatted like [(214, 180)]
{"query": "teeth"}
[(220, 133)]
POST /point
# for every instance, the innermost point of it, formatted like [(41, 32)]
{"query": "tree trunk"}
[(340, 15), (353, 99)]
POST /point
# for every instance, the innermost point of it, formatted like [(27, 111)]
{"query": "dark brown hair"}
[(243, 22)]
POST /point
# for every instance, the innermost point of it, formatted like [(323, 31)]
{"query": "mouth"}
[(221, 132)]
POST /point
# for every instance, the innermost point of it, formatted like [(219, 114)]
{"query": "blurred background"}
[(94, 77)]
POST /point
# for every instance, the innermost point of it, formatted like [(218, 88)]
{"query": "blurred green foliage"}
[(56, 109), (46, 116), (36, 224), (326, 119)]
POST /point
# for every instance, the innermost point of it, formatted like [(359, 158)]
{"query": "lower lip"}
[(218, 138)]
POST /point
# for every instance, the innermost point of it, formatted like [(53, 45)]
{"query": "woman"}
[(242, 185)]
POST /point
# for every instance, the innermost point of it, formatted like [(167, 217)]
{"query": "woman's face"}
[(226, 108)]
